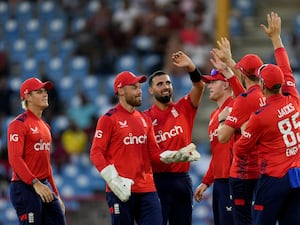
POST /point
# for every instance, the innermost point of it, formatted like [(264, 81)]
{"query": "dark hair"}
[(253, 78), (156, 74), (275, 89)]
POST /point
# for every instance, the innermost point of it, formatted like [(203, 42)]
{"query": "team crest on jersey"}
[(154, 122), (174, 112), (34, 130), (123, 124)]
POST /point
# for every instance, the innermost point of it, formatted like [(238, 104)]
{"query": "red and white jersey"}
[(28, 142), (126, 140), (275, 128), (173, 130), (221, 153), (245, 104)]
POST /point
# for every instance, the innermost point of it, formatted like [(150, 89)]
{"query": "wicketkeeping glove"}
[(188, 153), (120, 186)]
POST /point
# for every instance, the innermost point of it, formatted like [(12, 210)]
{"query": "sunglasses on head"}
[(214, 72)]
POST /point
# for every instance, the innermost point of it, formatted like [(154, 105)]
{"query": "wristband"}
[(195, 75), (222, 121), (34, 181)]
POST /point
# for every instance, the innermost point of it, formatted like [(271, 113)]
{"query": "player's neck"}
[(221, 100), (36, 111), (162, 106), (127, 107)]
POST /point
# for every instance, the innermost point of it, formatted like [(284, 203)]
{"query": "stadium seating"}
[(32, 31), (4, 12), (55, 69), (29, 68), (18, 51), (42, 50), (11, 31), (46, 10), (24, 11), (78, 67), (56, 29), (127, 62)]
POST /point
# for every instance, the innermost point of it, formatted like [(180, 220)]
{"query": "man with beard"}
[(173, 124), (122, 148), (243, 178)]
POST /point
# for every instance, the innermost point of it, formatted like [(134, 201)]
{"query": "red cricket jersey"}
[(221, 153), (126, 140), (29, 140), (275, 128), (173, 130), (245, 104)]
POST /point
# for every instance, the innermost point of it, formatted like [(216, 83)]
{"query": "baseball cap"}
[(127, 78), (271, 75), (214, 75), (33, 84), (249, 64)]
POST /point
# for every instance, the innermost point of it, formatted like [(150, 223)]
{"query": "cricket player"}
[(173, 125), (33, 191), (122, 150), (218, 171), (243, 176), (273, 131)]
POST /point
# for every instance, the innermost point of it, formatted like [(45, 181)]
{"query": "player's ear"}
[(226, 85), (150, 90)]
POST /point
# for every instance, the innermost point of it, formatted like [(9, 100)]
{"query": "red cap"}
[(127, 78), (271, 75), (33, 84), (214, 75), (249, 64)]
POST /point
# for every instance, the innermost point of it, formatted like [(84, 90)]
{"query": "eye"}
[(41, 91)]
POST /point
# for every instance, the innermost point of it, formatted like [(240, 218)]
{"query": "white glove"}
[(120, 186), (188, 153)]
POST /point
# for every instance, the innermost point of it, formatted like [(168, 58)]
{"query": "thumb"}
[(264, 28)]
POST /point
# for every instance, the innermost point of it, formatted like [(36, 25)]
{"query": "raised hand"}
[(180, 59), (274, 25), (224, 50), (220, 65)]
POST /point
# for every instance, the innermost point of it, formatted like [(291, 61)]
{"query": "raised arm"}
[(180, 59), (273, 31)]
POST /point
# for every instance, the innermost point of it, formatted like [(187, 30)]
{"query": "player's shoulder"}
[(111, 112), (262, 110), (147, 112), (22, 118), (19, 121)]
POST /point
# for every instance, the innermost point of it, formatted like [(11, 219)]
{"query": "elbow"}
[(223, 139)]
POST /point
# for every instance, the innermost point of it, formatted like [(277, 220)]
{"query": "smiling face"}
[(161, 88), (37, 99)]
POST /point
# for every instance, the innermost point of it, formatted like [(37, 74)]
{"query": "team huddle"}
[(145, 157)]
